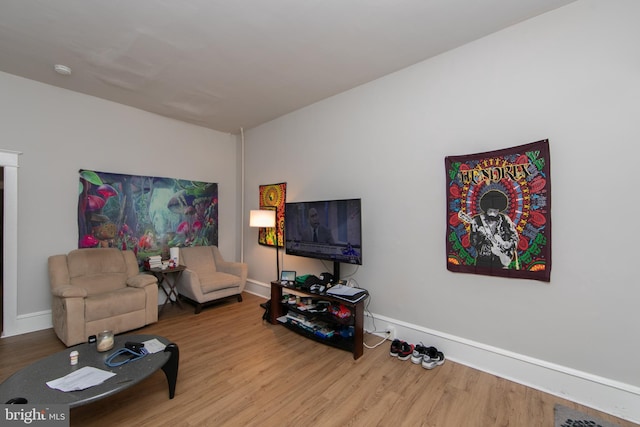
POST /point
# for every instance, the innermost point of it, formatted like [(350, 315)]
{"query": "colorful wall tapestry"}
[(499, 212), (273, 196), (145, 214)]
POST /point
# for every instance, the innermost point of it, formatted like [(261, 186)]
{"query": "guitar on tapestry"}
[(498, 245)]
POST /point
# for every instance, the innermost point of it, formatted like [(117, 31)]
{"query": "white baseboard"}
[(258, 288), (603, 394)]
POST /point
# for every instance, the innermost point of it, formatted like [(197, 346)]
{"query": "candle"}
[(105, 341)]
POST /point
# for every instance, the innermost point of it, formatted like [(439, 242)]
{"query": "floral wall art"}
[(145, 214)]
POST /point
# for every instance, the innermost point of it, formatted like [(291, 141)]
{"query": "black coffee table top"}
[(30, 382)]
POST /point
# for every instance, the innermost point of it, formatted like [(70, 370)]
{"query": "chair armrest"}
[(189, 278), (142, 280), (188, 284), (69, 291), (235, 268)]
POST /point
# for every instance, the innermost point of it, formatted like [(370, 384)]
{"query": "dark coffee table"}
[(30, 382)]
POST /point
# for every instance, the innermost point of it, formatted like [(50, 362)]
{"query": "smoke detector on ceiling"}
[(62, 69)]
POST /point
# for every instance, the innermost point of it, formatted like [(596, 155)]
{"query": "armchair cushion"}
[(200, 259), (219, 281)]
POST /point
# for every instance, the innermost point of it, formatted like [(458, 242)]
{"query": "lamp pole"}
[(277, 226)]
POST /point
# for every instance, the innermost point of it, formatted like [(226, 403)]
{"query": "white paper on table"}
[(154, 346), (81, 379)]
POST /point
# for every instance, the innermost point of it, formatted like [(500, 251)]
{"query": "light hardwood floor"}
[(236, 370)]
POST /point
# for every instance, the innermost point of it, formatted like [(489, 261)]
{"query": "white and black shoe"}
[(432, 362), (421, 351)]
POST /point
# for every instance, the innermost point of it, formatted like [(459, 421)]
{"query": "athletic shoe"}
[(420, 351), (432, 362), (396, 346), (406, 351)]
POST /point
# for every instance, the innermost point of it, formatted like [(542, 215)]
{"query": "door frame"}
[(9, 161)]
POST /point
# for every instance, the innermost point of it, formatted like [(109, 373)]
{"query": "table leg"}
[(161, 286), (171, 368), (276, 306), (172, 288)]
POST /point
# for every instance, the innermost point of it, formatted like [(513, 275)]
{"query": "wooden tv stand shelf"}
[(353, 344)]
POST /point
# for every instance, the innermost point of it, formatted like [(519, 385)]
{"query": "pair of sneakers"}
[(428, 357), (401, 349)]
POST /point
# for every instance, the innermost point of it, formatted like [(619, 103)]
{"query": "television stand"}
[(353, 344)]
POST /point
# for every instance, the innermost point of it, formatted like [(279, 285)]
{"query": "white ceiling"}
[(227, 64)]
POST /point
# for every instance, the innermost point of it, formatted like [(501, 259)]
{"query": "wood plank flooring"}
[(236, 370)]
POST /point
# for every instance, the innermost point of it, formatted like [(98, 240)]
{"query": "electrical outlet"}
[(392, 330)]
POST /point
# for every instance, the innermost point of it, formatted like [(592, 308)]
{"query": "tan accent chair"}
[(99, 289), (209, 277)]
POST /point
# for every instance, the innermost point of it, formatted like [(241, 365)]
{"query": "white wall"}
[(572, 76), (60, 132)]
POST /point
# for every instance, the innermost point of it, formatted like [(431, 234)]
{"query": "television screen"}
[(328, 230)]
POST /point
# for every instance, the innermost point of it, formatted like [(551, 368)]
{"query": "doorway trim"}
[(9, 161)]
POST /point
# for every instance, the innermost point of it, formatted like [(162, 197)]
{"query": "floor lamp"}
[(267, 219)]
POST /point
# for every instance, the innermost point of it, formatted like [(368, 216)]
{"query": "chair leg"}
[(239, 298), (198, 308)]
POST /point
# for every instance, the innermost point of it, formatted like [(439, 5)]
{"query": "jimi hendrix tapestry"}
[(145, 214), (499, 212), (273, 196)]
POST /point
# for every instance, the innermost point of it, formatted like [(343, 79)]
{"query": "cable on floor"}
[(380, 343)]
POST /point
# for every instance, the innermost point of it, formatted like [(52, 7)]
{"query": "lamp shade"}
[(262, 218)]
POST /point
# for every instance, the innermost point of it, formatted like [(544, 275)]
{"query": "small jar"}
[(73, 358), (105, 341)]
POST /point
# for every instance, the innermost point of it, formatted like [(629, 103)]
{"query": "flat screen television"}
[(328, 230)]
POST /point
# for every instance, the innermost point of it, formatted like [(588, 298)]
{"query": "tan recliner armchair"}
[(100, 289), (209, 277)]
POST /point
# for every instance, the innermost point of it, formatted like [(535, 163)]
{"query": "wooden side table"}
[(167, 280)]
